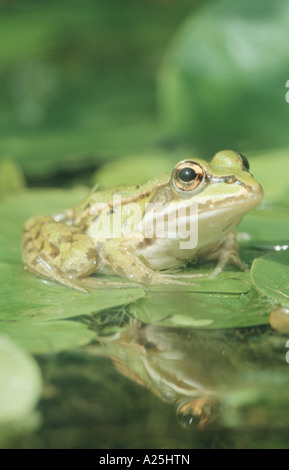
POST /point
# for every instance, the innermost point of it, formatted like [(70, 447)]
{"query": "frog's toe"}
[(187, 276), (73, 284), (234, 260), (169, 279)]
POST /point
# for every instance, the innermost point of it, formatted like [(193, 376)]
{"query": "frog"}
[(72, 247)]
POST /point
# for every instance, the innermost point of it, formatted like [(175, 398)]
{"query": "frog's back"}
[(125, 193)]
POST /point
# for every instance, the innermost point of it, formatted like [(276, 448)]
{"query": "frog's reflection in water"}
[(189, 369)]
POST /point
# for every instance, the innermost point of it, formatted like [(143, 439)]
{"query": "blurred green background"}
[(110, 92), (79, 81), (86, 82)]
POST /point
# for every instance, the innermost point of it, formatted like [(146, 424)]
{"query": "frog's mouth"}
[(210, 219), (243, 203)]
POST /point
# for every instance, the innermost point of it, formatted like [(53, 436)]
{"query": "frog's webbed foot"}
[(227, 253)]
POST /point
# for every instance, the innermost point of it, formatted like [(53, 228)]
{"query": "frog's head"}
[(224, 182), (222, 190)]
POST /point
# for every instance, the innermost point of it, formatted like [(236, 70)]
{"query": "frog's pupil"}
[(187, 174), (245, 162)]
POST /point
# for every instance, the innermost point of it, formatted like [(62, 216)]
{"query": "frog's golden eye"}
[(187, 176), (245, 162)]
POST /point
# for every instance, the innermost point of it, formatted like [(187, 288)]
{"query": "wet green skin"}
[(68, 247)]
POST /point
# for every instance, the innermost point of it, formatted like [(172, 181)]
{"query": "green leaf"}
[(20, 382), (270, 275), (27, 297), (185, 309), (229, 281), (47, 337)]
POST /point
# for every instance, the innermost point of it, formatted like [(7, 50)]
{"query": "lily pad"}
[(228, 281), (47, 337), (26, 297), (270, 275), (184, 309)]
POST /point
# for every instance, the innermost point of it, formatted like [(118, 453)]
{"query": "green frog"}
[(100, 235)]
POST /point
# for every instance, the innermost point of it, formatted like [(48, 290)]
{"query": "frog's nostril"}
[(230, 179)]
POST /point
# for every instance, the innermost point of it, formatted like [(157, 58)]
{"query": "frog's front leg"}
[(57, 250), (120, 255), (227, 253)]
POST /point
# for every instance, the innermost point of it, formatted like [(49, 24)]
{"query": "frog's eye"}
[(245, 162), (187, 176)]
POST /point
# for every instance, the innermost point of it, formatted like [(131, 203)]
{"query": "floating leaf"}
[(270, 275), (26, 297), (194, 310), (228, 281), (47, 337)]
